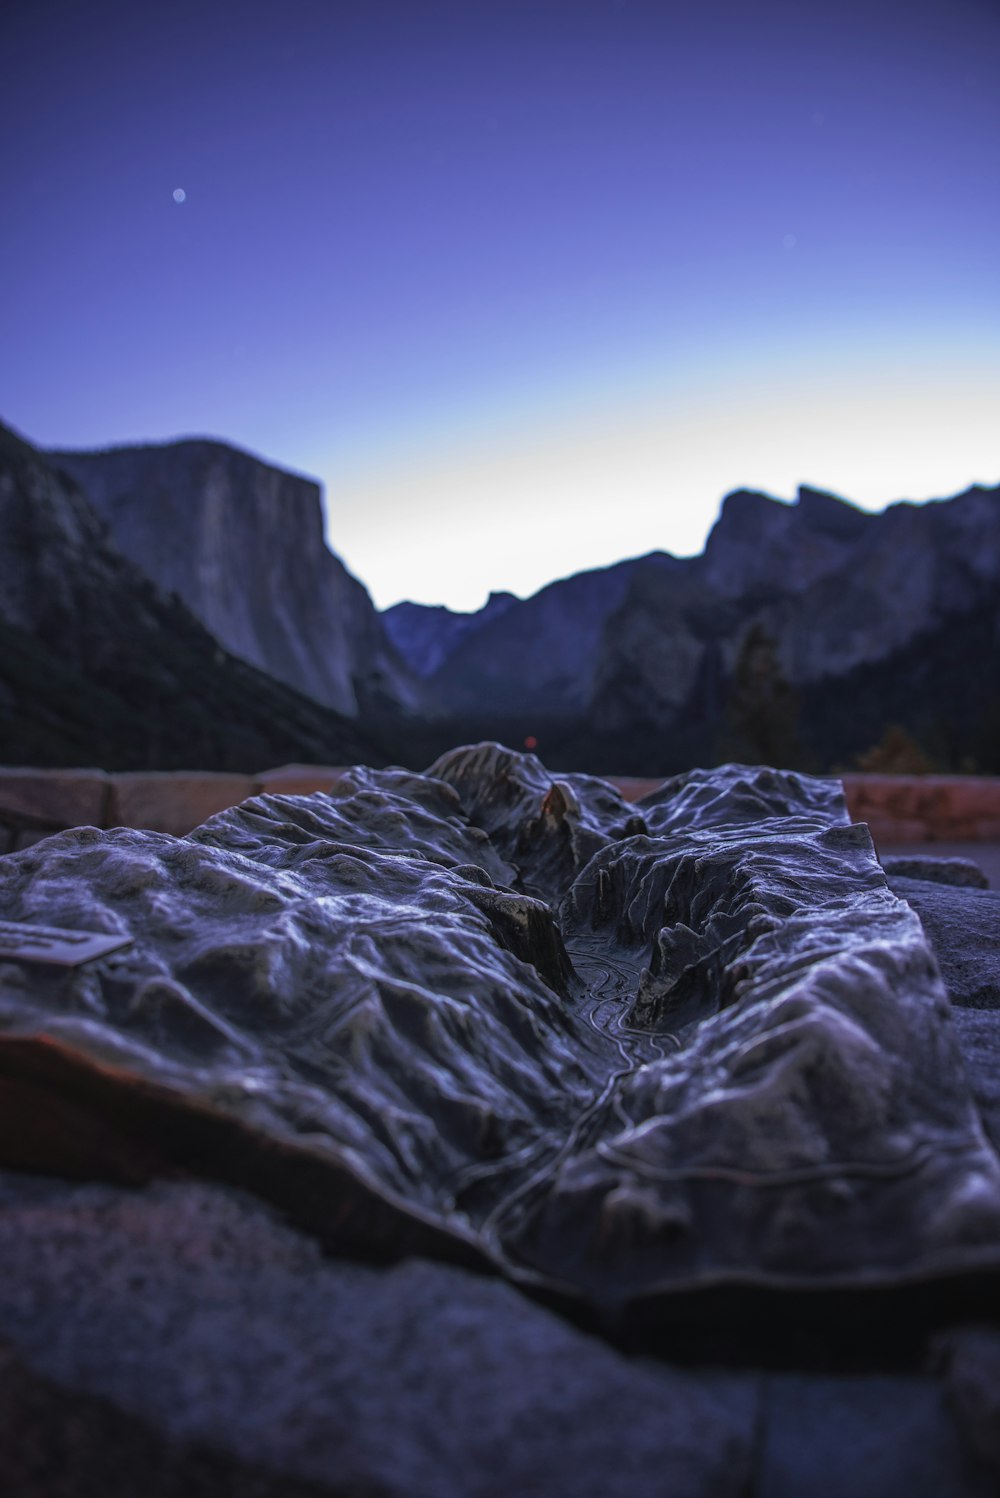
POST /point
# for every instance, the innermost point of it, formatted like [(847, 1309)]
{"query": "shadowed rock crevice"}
[(618, 1055)]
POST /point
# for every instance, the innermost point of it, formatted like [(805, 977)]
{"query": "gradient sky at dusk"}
[(528, 286)]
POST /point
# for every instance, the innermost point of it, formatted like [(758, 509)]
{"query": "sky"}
[(528, 285)]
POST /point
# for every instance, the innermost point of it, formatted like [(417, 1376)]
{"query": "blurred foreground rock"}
[(910, 809), (180, 1340)]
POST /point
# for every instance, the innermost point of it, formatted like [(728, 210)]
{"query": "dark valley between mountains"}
[(176, 605)]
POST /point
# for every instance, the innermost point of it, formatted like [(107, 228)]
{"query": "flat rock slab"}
[(180, 1339), (978, 1032), (58, 1442), (963, 928), (962, 873), (867, 1436), (969, 1356), (984, 855), (185, 1324)]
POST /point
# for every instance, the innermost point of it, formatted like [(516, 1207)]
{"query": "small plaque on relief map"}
[(22, 943)]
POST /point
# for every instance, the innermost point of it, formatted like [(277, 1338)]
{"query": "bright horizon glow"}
[(527, 287), (553, 499)]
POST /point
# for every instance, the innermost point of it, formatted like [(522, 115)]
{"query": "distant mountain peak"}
[(830, 513), (241, 541), (100, 666)]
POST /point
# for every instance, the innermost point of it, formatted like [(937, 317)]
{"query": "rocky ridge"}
[(99, 666), (425, 634), (810, 634), (531, 656), (862, 620), (241, 542)]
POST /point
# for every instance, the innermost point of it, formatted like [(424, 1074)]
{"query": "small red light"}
[(531, 742)]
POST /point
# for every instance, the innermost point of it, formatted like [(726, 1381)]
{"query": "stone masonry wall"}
[(33, 803)]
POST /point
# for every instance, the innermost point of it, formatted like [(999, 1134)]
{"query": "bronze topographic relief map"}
[(618, 1054)]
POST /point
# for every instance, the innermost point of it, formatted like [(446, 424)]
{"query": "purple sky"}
[(527, 285)]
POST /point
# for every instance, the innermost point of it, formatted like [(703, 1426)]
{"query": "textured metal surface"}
[(616, 1052)]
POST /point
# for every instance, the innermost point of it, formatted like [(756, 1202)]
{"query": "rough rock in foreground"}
[(178, 1340)]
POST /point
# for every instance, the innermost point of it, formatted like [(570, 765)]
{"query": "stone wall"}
[(926, 808), (33, 803)]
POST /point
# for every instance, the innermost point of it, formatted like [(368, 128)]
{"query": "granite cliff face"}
[(98, 666), (858, 620), (845, 589), (803, 634), (241, 542)]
